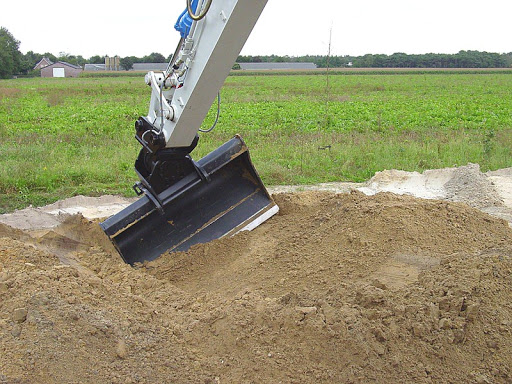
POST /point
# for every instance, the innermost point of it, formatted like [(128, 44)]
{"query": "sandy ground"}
[(406, 278), (490, 192)]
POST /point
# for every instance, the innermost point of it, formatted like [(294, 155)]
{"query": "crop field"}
[(62, 137)]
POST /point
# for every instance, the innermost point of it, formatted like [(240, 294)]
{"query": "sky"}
[(286, 27)]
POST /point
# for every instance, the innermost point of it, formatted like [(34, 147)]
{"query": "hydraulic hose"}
[(175, 55), (201, 14), (216, 118)]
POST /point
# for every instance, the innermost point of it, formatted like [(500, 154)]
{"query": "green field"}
[(62, 137)]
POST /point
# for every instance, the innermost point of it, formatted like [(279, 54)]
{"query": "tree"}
[(29, 61), (154, 58), (10, 56), (97, 60), (127, 63), (71, 59), (50, 56)]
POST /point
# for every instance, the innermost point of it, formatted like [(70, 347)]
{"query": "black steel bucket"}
[(194, 210)]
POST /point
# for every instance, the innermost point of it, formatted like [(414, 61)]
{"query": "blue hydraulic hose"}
[(184, 22)]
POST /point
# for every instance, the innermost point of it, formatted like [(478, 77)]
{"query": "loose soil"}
[(337, 288)]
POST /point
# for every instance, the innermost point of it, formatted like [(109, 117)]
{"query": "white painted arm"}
[(204, 61)]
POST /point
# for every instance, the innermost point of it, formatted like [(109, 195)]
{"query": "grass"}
[(63, 137)]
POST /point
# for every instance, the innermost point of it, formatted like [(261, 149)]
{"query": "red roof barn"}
[(61, 69)]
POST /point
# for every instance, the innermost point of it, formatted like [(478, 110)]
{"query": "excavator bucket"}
[(226, 197)]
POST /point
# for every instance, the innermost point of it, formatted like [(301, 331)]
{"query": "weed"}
[(488, 142)]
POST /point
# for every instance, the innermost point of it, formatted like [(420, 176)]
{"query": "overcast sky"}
[(286, 27)]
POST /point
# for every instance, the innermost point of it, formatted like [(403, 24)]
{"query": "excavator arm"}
[(184, 202), (182, 96)]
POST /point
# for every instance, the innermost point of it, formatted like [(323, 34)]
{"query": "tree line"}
[(13, 62), (462, 59)]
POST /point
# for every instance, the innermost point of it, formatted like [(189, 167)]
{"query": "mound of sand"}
[(343, 288)]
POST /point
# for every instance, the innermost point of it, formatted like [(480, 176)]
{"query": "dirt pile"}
[(470, 186), (338, 288)]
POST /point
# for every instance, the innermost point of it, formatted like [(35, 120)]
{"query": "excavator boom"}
[(184, 202)]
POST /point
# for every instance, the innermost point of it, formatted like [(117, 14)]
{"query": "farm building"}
[(142, 67), (94, 67), (149, 67), (44, 62), (61, 69), (275, 66)]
